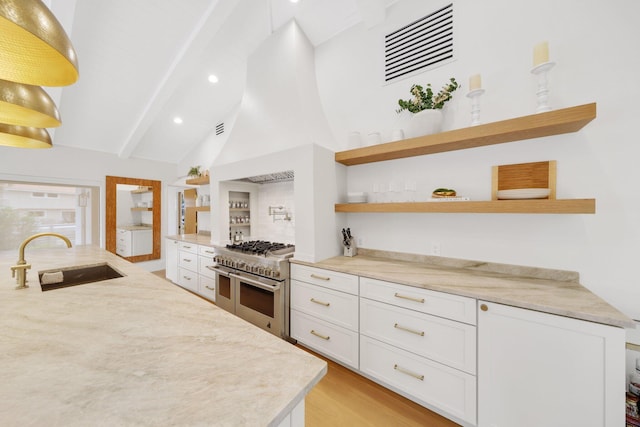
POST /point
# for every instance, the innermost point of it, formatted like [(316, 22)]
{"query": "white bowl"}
[(523, 193)]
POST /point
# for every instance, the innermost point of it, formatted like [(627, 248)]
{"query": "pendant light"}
[(34, 48), (24, 136), (27, 105)]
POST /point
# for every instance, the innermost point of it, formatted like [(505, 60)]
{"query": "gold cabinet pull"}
[(407, 372), (420, 300), (315, 276), (210, 288), (324, 337), (404, 328), (484, 307), (185, 277), (326, 304), (209, 252), (186, 260)]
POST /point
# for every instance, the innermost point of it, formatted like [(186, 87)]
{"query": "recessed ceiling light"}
[(177, 120), (213, 78)]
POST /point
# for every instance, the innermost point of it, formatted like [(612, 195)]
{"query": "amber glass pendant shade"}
[(24, 137), (27, 105), (34, 48)]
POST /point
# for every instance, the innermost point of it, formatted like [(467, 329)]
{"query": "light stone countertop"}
[(550, 291), (198, 239), (136, 351), (135, 227)]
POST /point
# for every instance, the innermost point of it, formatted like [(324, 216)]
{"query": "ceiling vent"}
[(424, 44), (219, 128)]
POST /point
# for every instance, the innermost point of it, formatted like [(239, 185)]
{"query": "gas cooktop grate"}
[(261, 247)]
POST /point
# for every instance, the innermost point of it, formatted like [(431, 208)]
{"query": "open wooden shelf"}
[(554, 122), (201, 180), (539, 206), (142, 190), (201, 208), (142, 209)]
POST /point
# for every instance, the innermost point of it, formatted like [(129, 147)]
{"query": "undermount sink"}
[(72, 276)]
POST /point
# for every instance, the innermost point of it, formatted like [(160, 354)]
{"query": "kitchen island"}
[(137, 351)]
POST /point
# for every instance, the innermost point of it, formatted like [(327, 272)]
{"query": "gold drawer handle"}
[(420, 300), (211, 289), (187, 247), (185, 277), (324, 337), (413, 331), (411, 374), (484, 307), (326, 304), (209, 252), (315, 276), (186, 260)]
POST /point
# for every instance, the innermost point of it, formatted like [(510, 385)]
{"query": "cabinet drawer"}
[(188, 279), (188, 247), (207, 288), (422, 380), (205, 266), (441, 304), (207, 251), (123, 250), (325, 278), (331, 340), (445, 341), (188, 260), (336, 307)]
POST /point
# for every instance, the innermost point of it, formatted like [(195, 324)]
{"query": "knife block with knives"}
[(349, 243)]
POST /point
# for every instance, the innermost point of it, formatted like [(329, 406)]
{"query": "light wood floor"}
[(344, 398)]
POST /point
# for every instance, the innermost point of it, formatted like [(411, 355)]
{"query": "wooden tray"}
[(524, 175)]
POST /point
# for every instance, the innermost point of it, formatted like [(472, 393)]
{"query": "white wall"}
[(595, 46), (82, 167)]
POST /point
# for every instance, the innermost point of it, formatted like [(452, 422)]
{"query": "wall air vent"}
[(219, 128), (423, 44)]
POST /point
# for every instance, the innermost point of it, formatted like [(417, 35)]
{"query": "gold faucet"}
[(19, 271)]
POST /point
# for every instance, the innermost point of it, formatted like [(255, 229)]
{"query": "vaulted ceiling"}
[(145, 62)]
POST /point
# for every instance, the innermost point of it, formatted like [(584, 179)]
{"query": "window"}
[(30, 208)]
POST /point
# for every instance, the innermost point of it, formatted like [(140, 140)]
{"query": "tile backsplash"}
[(275, 228)]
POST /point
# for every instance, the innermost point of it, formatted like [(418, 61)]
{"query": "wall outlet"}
[(435, 248)]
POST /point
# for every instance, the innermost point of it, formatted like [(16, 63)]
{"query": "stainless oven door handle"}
[(270, 288), (220, 271)]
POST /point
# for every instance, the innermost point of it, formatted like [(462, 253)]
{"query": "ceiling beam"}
[(188, 57)]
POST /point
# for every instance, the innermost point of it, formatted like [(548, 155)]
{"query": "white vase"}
[(425, 122)]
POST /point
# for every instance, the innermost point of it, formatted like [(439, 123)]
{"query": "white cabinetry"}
[(191, 266), (134, 242), (171, 265), (538, 369), (188, 266), (123, 243), (324, 312), (206, 273), (429, 358)]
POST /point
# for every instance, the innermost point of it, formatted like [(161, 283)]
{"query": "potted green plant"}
[(194, 172), (426, 107)]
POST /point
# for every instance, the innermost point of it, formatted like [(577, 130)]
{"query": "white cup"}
[(397, 135), (354, 140), (374, 138)]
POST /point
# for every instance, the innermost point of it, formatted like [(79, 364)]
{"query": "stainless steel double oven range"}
[(252, 281)]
